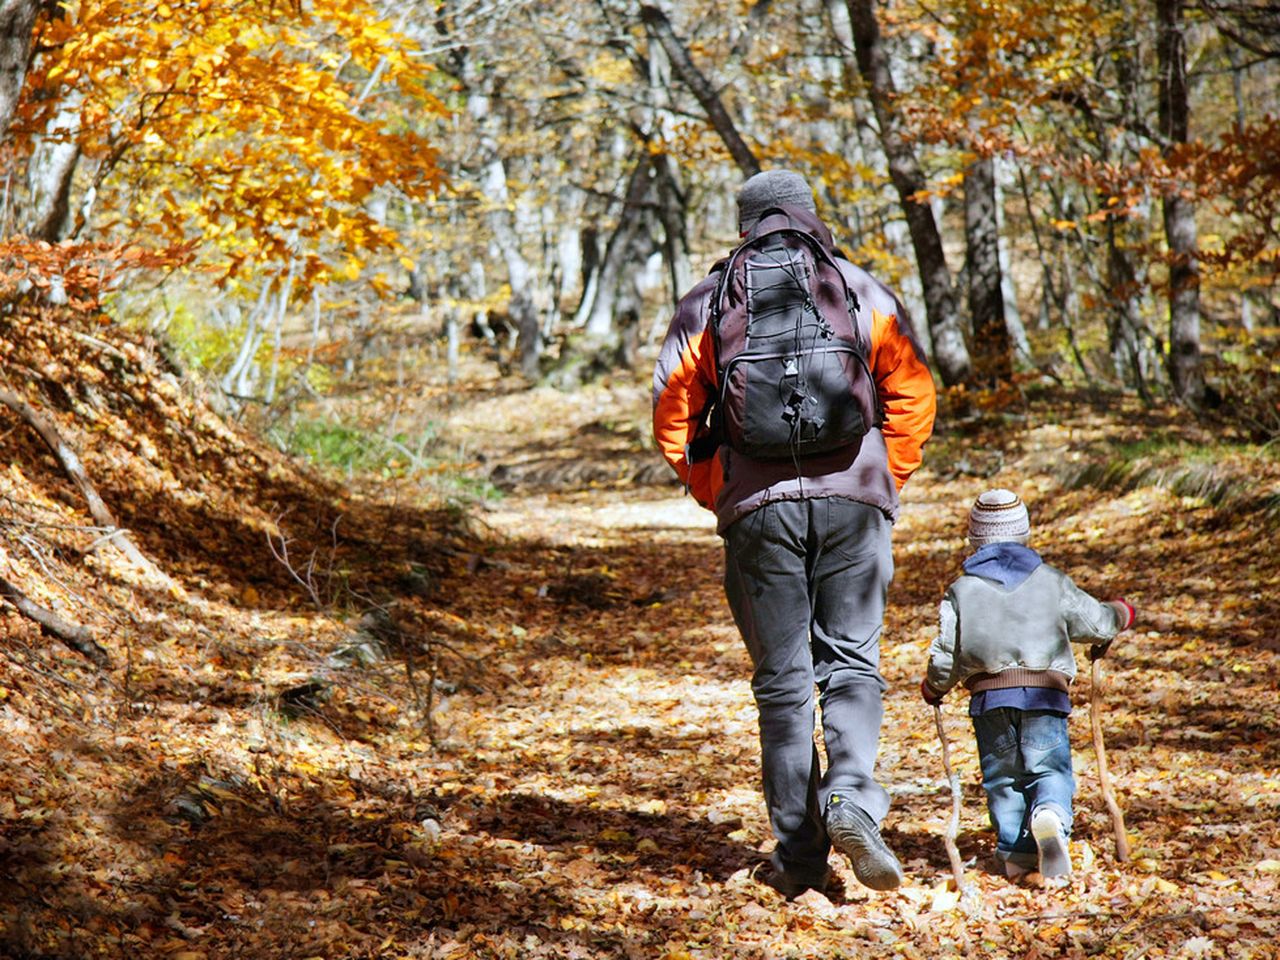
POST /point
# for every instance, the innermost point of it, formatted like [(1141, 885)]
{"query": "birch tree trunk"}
[(992, 359), (50, 172), (945, 325), (524, 314), (625, 253), (1004, 174), (1186, 367)]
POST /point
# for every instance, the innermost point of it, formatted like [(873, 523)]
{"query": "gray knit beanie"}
[(768, 189), (998, 515)]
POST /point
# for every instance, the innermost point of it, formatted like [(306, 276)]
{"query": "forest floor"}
[(346, 720)]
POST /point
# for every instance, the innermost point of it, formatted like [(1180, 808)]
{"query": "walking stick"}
[(953, 825), (1104, 777)]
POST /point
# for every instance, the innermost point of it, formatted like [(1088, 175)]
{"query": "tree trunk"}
[(1004, 173), (661, 30), (236, 382), (945, 326), (1186, 368), (17, 19), (625, 253), (992, 356), (524, 314), (675, 239), (1124, 310), (50, 172), (867, 146)]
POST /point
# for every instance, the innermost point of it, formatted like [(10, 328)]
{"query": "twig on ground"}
[(281, 553), (78, 638)]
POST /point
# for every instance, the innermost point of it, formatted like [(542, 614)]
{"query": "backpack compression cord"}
[(794, 380)]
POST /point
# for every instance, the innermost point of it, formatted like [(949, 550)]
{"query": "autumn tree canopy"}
[(1061, 188)]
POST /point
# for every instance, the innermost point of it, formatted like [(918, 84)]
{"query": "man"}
[(808, 558)]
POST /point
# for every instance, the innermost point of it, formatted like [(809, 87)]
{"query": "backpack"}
[(791, 361)]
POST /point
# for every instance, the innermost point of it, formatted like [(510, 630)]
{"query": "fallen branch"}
[(74, 469), (78, 638)]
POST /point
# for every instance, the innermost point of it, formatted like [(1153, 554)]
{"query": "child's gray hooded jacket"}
[(1015, 630)]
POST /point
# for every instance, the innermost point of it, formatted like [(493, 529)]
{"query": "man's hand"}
[(931, 698), (1099, 650)]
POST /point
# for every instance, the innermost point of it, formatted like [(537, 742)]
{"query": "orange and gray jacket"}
[(733, 484)]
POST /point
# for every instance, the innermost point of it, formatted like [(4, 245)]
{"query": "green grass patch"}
[(333, 445), (1231, 478), (352, 450)]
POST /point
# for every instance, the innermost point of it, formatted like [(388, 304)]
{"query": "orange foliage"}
[(237, 124), (83, 271)]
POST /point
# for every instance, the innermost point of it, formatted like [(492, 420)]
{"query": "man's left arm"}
[(683, 384), (905, 387)]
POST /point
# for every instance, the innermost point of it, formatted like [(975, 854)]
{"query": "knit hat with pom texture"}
[(998, 515)]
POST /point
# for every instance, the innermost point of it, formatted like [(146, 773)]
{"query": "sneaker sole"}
[(876, 869), (1055, 860)]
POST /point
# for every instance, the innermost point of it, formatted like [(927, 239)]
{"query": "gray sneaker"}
[(1051, 843), (855, 834)]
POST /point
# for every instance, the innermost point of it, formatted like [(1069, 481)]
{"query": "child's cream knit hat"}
[(998, 515)]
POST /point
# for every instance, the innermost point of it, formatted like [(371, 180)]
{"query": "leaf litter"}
[(548, 745)]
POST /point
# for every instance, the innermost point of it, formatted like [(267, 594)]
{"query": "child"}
[(1003, 633)]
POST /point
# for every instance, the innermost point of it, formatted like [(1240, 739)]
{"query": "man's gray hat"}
[(768, 189)]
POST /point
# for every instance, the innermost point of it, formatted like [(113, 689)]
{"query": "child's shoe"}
[(1051, 841)]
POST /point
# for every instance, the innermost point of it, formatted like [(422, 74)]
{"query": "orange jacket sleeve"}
[(906, 390), (683, 384)]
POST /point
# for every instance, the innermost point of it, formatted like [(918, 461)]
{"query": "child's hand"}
[(931, 698), (1124, 610), (1099, 650)]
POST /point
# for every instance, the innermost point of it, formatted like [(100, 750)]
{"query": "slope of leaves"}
[(534, 735)]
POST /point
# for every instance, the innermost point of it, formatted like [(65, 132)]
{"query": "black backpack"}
[(791, 361)]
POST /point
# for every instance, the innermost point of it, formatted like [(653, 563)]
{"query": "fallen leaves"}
[(588, 783)]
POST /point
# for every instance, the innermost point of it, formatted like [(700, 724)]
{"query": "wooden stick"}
[(953, 825), (1104, 776)]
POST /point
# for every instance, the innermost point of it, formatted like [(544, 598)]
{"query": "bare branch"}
[(74, 469), (78, 638), (660, 28)]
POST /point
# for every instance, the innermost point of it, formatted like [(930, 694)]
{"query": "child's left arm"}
[(1091, 620)]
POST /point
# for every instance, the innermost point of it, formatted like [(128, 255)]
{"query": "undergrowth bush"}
[(1232, 478), (1246, 375)]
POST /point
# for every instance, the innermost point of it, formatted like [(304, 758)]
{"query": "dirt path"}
[(612, 795), (525, 729)]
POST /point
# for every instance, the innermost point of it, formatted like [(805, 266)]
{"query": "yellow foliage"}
[(248, 122)]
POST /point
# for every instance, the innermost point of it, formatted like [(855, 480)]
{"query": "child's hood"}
[(1007, 563)]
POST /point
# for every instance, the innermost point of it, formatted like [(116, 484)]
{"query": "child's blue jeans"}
[(1026, 764)]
